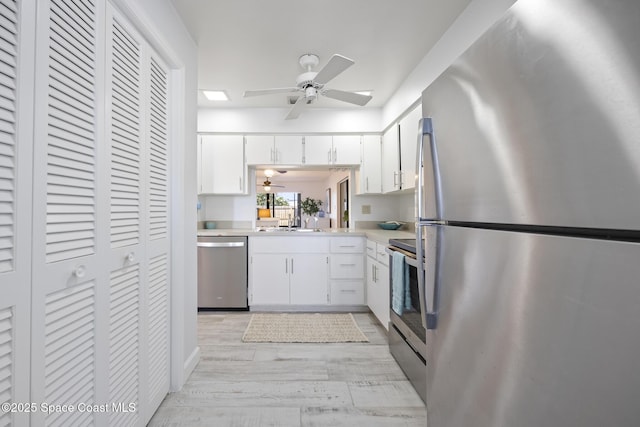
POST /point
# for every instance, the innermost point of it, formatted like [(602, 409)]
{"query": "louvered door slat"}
[(158, 326), (6, 363), (158, 150), (8, 66), (69, 350), (124, 342), (125, 137), (71, 162)]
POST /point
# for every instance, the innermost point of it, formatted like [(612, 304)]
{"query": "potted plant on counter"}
[(311, 207)]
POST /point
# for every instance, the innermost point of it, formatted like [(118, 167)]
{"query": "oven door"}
[(408, 320)]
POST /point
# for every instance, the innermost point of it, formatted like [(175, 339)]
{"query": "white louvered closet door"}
[(157, 229), (138, 120), (70, 201), (15, 206), (125, 124)]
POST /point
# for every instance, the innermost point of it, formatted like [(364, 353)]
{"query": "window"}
[(280, 205)]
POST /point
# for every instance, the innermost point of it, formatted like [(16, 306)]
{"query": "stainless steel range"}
[(407, 334)]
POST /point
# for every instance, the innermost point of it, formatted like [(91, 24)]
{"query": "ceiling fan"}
[(311, 84), (266, 185)]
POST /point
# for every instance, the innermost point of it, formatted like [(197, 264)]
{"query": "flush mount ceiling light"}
[(215, 95), (364, 92)]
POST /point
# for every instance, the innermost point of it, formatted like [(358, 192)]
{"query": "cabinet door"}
[(378, 291), (223, 164), (408, 145), (288, 150), (346, 150), (309, 277), (390, 160), (371, 166), (259, 149), (270, 279), (318, 149)]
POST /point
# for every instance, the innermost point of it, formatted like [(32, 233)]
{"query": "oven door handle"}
[(408, 257)]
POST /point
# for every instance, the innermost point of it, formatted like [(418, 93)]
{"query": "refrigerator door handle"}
[(427, 167), (428, 271)]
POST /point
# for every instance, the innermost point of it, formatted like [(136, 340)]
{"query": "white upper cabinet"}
[(346, 150), (259, 149), (390, 160), (288, 150), (332, 150), (270, 150), (408, 144), (371, 166), (318, 149), (222, 164), (399, 144)]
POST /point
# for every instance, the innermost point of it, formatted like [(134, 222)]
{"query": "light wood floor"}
[(265, 384)]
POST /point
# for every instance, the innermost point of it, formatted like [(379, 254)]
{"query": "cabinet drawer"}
[(381, 255), (371, 249), (347, 244), (288, 244), (347, 266), (349, 292)]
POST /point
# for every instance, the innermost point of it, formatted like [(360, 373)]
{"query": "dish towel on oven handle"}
[(400, 291)]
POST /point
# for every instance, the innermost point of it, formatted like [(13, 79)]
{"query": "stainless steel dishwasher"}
[(222, 272)]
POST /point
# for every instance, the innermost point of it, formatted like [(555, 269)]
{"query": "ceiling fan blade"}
[(259, 92), (351, 97), (335, 66), (297, 108)]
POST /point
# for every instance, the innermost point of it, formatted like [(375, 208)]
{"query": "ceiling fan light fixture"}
[(267, 188), (268, 173), (215, 95)]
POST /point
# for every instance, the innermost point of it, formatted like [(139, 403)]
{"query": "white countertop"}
[(378, 235)]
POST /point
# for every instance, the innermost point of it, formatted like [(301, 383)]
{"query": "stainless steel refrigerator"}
[(528, 196)]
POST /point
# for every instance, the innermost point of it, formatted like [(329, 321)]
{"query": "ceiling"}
[(255, 44)]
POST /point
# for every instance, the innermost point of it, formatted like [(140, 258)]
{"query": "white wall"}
[(158, 21), (478, 16), (271, 120)]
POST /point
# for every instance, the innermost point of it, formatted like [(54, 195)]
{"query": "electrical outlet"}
[(366, 209)]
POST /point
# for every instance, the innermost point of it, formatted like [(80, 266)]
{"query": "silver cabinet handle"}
[(291, 265), (395, 179), (367, 185), (220, 244), (286, 265), (335, 155), (131, 257), (329, 156), (271, 155), (348, 291)]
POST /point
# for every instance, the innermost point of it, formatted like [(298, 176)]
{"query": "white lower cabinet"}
[(308, 279), (295, 270), (281, 273), (347, 271), (270, 279), (378, 282)]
